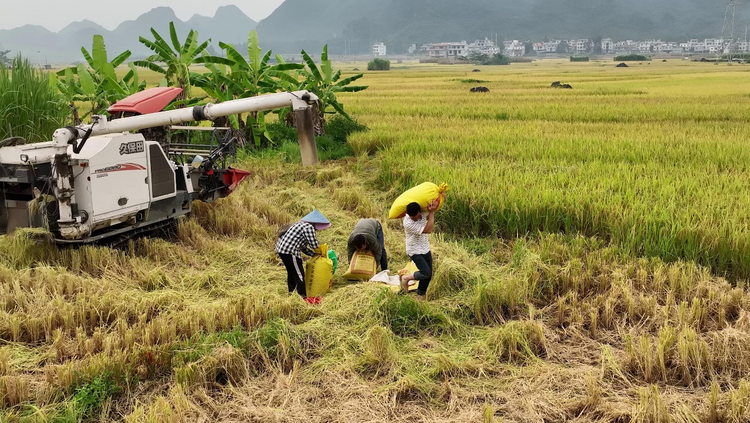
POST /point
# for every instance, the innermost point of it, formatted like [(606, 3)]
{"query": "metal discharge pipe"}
[(299, 101)]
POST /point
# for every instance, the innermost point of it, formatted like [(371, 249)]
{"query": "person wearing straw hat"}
[(300, 238)]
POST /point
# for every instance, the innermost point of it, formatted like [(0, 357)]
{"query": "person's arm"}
[(350, 250), (376, 249), (430, 217), (311, 240)]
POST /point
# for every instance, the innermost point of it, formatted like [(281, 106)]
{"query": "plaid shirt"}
[(300, 237)]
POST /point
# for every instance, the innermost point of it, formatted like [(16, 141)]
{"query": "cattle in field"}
[(557, 84)]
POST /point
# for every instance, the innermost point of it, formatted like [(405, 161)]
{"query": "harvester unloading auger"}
[(99, 181)]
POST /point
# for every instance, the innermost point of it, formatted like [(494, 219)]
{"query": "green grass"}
[(29, 107)]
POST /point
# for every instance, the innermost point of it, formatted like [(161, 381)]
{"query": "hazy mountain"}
[(357, 24), (84, 25), (354, 25), (229, 24)]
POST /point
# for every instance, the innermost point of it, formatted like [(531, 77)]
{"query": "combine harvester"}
[(99, 182)]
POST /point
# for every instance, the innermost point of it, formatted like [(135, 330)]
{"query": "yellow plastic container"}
[(362, 267), (318, 273)]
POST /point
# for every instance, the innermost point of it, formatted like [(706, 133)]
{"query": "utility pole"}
[(728, 30)]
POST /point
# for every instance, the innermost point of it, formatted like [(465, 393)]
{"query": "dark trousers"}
[(383, 255), (295, 274), (424, 274)]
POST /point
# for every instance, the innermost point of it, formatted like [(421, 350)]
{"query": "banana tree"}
[(175, 63), (255, 76), (325, 83), (96, 84), (220, 88), (128, 85)]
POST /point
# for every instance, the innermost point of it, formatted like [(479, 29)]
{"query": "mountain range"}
[(229, 24), (352, 26)]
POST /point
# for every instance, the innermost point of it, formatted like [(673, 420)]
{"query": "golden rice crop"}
[(653, 159), (576, 267)]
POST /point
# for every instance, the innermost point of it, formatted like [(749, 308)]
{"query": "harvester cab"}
[(99, 181)]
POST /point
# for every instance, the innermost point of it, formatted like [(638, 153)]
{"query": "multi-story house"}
[(449, 50), (486, 47), (514, 48), (582, 46), (378, 49), (713, 45), (551, 46)]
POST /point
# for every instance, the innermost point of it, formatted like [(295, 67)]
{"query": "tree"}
[(325, 83), (4, 59), (249, 77), (598, 45), (378, 64), (528, 48), (176, 63), (476, 57), (497, 59), (96, 84), (562, 47)]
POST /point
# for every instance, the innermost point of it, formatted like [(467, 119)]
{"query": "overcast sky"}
[(56, 14)]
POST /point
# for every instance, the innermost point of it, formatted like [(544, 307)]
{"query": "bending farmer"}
[(368, 235), (417, 227), (300, 238)]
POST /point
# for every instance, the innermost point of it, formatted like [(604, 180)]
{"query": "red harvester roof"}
[(147, 101)]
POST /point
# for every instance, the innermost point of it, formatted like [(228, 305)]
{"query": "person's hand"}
[(433, 206)]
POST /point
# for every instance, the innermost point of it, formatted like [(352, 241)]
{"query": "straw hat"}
[(317, 219)]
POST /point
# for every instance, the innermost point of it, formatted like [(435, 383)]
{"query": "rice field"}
[(588, 268), (652, 158)]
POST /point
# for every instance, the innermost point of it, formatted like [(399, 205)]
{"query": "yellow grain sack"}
[(362, 266), (408, 270), (423, 194), (318, 273)]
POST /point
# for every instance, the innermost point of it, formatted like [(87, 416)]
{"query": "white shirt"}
[(416, 241)]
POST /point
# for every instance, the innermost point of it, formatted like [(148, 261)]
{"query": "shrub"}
[(379, 64), (29, 106), (579, 59), (339, 128), (496, 59), (632, 58), (90, 396), (333, 145)]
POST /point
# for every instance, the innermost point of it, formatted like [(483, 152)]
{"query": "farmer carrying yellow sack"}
[(422, 194), (296, 239)]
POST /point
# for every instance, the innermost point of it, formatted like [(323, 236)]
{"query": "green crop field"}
[(653, 158), (591, 262)]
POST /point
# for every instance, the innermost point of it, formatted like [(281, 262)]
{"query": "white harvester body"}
[(97, 181)]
